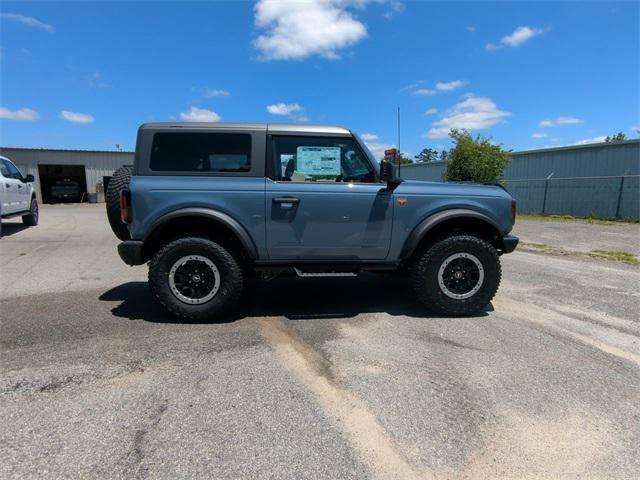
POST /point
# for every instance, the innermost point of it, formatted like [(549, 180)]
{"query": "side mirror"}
[(388, 173), (29, 178)]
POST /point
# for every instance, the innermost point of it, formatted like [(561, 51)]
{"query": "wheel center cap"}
[(458, 275), (196, 278)]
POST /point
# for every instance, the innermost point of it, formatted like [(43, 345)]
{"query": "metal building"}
[(68, 175)]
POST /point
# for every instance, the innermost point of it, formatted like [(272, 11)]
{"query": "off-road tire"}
[(31, 219), (426, 265), (119, 181), (231, 278)]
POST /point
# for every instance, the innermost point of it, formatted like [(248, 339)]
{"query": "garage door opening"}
[(63, 183)]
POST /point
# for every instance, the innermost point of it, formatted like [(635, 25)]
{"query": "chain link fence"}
[(598, 197)]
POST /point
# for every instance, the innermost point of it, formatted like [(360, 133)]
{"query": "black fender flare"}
[(423, 228), (215, 215)]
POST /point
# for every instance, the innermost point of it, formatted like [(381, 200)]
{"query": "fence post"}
[(546, 188), (620, 196)]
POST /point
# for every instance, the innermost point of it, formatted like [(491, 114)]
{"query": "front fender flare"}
[(423, 228), (215, 215)]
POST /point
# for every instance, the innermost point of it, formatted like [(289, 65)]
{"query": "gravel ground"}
[(314, 378)]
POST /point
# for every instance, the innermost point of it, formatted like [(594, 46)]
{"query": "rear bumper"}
[(130, 252), (509, 243)]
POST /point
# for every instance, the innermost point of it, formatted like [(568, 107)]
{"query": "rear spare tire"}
[(119, 181)]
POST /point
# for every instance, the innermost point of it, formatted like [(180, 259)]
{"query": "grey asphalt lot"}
[(314, 378)]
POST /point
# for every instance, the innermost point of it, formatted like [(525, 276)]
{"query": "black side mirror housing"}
[(388, 173), (29, 178)]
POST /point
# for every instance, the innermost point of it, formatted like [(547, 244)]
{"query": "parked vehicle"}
[(17, 197), (208, 204), (66, 190)]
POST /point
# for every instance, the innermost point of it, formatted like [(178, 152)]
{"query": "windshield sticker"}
[(317, 161)]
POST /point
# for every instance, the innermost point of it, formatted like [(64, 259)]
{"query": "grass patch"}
[(569, 218), (614, 255)]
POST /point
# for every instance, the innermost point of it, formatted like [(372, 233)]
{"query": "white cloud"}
[(473, 113), (431, 111), (448, 86), (395, 7), (22, 114), (587, 141), (210, 93), (369, 137), (559, 121), (283, 108), (294, 29), (539, 135), (76, 117), (196, 114), (377, 149), (471, 28), (95, 81), (28, 21), (635, 128), (424, 92), (519, 36)]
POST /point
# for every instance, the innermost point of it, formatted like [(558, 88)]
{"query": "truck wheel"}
[(457, 276), (119, 181), (31, 220), (196, 279)]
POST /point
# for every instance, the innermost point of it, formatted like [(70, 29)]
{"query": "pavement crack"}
[(350, 413), (137, 452)]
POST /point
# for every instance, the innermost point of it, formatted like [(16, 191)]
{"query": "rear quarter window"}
[(200, 152)]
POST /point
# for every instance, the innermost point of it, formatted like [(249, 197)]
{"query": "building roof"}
[(45, 149)]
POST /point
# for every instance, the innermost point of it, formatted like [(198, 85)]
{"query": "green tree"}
[(475, 159), (427, 155), (618, 137), (402, 159), (444, 154)]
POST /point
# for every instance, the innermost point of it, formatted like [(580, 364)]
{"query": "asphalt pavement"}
[(311, 378)]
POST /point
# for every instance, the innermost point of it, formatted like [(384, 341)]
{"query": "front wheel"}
[(196, 279), (457, 276), (31, 219)]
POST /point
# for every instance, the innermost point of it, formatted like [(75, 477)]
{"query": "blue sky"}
[(86, 75)]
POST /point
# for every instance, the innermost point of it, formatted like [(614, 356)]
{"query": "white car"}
[(17, 197)]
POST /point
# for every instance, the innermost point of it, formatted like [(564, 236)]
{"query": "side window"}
[(4, 170), (200, 152), (13, 172), (320, 159)]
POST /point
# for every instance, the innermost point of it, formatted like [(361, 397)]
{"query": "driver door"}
[(324, 201)]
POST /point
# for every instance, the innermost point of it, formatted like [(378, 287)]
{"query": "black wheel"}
[(457, 276), (119, 181), (196, 279), (31, 220)]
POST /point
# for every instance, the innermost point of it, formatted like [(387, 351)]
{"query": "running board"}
[(300, 273)]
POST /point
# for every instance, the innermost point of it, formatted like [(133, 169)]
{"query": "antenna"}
[(399, 151)]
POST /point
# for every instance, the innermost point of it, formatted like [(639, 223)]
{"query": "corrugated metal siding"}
[(599, 160), (97, 164)]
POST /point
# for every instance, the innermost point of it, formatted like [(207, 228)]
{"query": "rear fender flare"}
[(215, 215)]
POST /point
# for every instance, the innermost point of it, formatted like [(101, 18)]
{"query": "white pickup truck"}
[(17, 197)]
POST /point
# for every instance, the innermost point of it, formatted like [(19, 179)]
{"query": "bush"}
[(475, 159)]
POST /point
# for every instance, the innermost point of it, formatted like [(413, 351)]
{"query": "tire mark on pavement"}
[(551, 319), (351, 414)]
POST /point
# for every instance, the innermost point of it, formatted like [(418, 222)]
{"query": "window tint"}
[(201, 152), (3, 169), (319, 159), (13, 172)]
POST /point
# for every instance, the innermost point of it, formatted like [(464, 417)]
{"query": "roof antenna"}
[(399, 151)]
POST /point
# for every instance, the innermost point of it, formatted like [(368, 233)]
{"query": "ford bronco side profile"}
[(209, 204)]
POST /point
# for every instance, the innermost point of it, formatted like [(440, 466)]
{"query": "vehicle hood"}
[(420, 187)]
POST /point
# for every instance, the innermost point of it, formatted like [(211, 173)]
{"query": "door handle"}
[(284, 200), (19, 186), (8, 185)]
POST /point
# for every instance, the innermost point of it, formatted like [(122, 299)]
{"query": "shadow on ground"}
[(9, 229), (293, 298)]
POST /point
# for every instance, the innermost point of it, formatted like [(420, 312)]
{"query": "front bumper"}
[(130, 252), (509, 243)]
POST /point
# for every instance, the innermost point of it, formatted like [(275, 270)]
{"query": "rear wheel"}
[(457, 276), (31, 219), (119, 181), (196, 279)]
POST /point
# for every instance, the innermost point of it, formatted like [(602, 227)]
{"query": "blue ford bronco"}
[(208, 205)]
